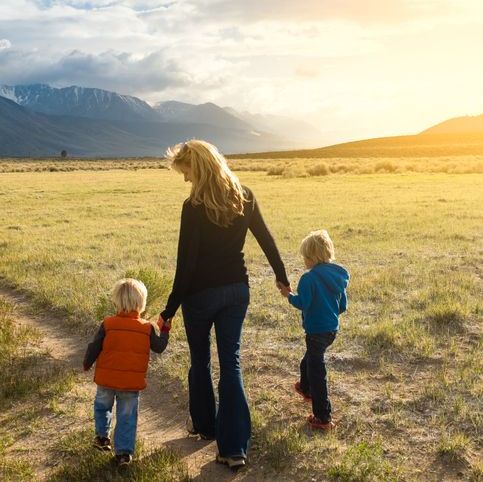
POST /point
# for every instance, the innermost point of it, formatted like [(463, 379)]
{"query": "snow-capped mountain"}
[(172, 110), (79, 101)]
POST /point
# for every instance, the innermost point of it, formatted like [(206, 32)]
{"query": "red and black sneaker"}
[(102, 443), (318, 424), (305, 396)]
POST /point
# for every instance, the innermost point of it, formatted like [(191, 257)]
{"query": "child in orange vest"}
[(120, 350)]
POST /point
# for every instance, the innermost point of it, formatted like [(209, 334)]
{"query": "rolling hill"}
[(458, 125), (439, 140)]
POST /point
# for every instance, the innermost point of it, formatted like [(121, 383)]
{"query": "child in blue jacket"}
[(321, 296)]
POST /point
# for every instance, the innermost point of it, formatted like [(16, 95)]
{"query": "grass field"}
[(297, 166), (405, 371)]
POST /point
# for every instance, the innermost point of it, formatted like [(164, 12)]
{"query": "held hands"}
[(284, 290), (164, 325)]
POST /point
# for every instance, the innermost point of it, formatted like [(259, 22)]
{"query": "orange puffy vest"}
[(123, 361)]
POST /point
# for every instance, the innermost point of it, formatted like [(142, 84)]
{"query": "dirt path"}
[(163, 408)]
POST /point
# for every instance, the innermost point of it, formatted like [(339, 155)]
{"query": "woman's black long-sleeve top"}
[(210, 255)]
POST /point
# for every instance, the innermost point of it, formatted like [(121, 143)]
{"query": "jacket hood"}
[(336, 276)]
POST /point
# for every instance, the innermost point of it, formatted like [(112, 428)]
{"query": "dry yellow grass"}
[(405, 371), (294, 167)]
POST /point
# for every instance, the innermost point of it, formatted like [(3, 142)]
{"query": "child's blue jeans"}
[(313, 373), (127, 404)]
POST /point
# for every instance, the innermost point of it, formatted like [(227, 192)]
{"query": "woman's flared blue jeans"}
[(225, 307)]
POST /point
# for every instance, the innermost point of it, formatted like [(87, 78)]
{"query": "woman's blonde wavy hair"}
[(214, 185)]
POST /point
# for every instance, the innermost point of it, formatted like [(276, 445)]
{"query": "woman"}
[(211, 285)]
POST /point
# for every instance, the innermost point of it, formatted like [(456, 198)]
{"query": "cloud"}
[(5, 44), (364, 12), (80, 4), (120, 71), (138, 5)]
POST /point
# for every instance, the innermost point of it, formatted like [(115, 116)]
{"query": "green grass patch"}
[(34, 375), (454, 447), (279, 445), (26, 371), (158, 287), (15, 470), (395, 338), (13, 344), (475, 474), (13, 338), (364, 462), (81, 462)]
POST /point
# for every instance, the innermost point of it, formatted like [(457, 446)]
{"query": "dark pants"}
[(225, 307), (313, 373)]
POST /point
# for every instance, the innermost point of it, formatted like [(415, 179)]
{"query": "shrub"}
[(294, 171), (319, 170), (365, 170), (385, 166), (158, 286), (275, 170), (104, 307), (340, 168)]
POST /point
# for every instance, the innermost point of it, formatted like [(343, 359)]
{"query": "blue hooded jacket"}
[(321, 295)]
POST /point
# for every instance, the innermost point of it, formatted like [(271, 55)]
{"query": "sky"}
[(353, 68)]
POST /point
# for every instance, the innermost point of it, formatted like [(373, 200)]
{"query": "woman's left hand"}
[(162, 322)]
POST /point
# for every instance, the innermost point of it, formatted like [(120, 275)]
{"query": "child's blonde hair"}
[(318, 247), (214, 185), (129, 294)]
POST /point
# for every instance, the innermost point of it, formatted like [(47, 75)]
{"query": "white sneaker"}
[(235, 463)]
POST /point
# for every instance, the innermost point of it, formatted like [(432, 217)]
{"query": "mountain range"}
[(39, 120)]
